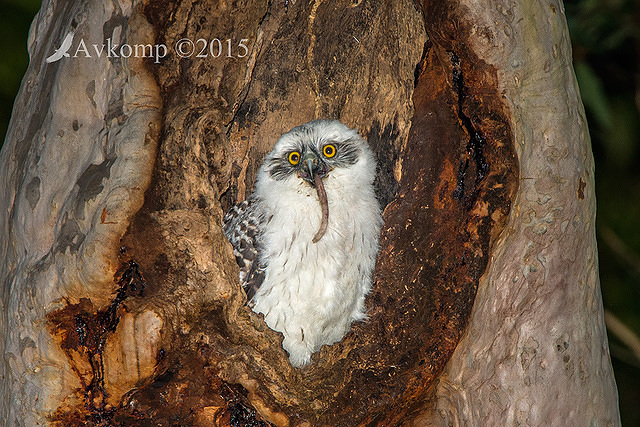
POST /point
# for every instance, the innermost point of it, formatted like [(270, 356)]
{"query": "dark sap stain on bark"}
[(581, 186), (189, 393), (475, 147), (82, 331), (386, 156)]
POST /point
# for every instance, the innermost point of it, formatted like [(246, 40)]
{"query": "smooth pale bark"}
[(80, 154), (77, 158), (536, 351)]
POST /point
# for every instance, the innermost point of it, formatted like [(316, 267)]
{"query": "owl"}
[(306, 239)]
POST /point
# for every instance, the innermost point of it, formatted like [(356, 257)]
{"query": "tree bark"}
[(120, 298), (535, 351)]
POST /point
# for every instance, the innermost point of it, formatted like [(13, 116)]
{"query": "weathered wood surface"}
[(78, 156), (115, 311), (536, 350)]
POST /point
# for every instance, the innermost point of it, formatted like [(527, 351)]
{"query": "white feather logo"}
[(63, 50)]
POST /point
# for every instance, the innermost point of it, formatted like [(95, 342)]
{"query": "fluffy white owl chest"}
[(304, 275), (313, 291)]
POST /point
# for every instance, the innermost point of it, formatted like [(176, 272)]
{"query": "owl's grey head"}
[(314, 149)]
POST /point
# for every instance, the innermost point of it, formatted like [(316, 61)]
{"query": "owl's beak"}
[(312, 167)]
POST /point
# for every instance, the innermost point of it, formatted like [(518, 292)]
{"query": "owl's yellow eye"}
[(294, 157), (329, 150)]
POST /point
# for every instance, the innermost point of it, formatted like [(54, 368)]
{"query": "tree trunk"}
[(121, 301)]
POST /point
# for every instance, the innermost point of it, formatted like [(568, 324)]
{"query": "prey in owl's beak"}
[(310, 167), (313, 171)]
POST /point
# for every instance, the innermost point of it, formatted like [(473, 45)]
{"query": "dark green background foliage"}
[(606, 43), (15, 18)]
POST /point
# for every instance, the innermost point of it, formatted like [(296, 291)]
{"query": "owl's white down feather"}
[(312, 292)]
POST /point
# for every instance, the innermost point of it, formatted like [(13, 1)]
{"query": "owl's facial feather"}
[(285, 161)]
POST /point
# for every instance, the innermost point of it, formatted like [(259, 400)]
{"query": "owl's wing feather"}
[(242, 228)]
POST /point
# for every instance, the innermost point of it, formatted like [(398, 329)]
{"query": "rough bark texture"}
[(78, 156), (115, 311), (536, 351)]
